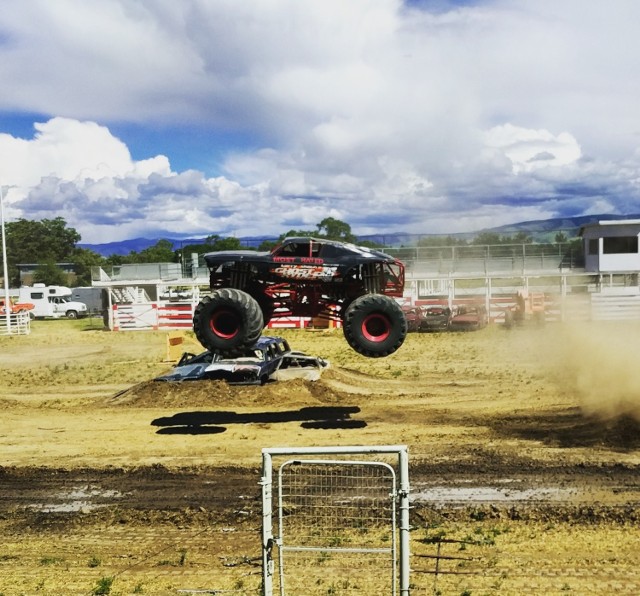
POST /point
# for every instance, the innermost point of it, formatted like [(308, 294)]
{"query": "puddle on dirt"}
[(489, 494), (77, 499)]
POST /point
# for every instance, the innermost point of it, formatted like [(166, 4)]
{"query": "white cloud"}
[(387, 116), (530, 150), (70, 150)]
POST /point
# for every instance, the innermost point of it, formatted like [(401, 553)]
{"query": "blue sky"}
[(152, 118)]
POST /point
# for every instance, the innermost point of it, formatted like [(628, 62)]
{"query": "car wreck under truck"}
[(303, 277)]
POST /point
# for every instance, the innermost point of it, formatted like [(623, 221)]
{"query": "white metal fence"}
[(15, 324), (334, 523), (496, 258), (568, 296)]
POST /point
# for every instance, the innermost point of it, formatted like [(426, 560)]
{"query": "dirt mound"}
[(335, 384), (355, 382), (208, 393)]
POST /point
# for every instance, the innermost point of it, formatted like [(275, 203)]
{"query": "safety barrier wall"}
[(611, 307), (567, 297), (134, 317), (175, 316), (160, 316), (585, 307)]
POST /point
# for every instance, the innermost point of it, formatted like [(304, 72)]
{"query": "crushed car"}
[(413, 315), (267, 359), (435, 318), (469, 318)]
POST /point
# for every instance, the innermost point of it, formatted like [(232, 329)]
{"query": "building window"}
[(620, 245), (593, 246)]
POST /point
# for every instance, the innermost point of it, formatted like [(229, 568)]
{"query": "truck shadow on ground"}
[(572, 428), (200, 423)]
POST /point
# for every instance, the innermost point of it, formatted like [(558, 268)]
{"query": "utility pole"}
[(7, 304)]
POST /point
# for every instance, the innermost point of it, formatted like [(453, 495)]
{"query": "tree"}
[(329, 228), (521, 238), (161, 252), (441, 241), (267, 245), (50, 274), (217, 243), (370, 244), (561, 238), (294, 233), (39, 241), (487, 238), (48, 240), (211, 243), (83, 260), (493, 238), (115, 260), (335, 229)]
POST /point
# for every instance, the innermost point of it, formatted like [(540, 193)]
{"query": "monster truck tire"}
[(267, 307), (264, 302), (227, 321), (374, 325)]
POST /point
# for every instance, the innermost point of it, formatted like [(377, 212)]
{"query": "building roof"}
[(608, 222)]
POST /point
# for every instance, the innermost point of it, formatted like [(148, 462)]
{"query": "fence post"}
[(267, 525), (404, 521)]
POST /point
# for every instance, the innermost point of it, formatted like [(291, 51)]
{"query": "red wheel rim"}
[(376, 328), (225, 324)]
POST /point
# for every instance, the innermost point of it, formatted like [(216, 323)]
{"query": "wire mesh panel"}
[(337, 527), (334, 529)]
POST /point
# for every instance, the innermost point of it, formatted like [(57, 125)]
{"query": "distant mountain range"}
[(543, 230)]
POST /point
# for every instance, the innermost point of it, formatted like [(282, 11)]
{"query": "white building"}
[(611, 246)]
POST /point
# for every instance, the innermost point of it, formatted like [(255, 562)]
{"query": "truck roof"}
[(303, 246)]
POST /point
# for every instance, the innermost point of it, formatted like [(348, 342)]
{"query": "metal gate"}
[(338, 526)]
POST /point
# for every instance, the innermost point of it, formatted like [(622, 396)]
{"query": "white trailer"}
[(52, 302)]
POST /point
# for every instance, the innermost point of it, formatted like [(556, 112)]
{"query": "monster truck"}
[(303, 277)]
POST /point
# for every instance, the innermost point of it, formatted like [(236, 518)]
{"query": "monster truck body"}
[(303, 277)]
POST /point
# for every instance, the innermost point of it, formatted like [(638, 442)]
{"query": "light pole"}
[(7, 309)]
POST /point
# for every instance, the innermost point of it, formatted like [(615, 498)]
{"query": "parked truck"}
[(51, 302), (14, 306), (96, 299)]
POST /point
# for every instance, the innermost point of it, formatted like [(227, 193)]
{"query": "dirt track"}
[(505, 430)]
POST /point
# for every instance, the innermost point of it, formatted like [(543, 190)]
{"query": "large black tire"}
[(374, 325), (227, 321), (264, 302), (267, 307)]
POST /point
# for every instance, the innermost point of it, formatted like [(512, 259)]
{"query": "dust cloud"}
[(600, 362)]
